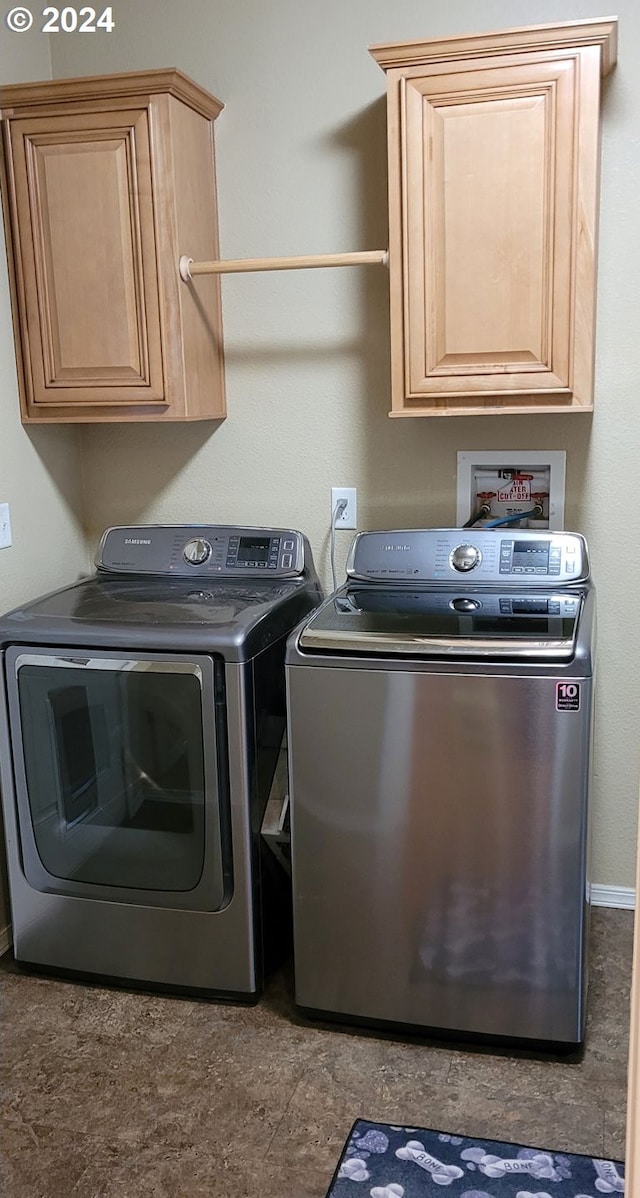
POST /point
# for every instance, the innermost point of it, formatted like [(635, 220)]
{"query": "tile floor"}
[(111, 1094)]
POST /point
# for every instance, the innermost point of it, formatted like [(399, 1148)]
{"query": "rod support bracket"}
[(185, 269)]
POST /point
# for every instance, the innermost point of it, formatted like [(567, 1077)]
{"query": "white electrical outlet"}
[(5, 526), (349, 517)]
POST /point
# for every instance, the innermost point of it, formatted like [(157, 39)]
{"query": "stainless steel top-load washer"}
[(439, 728), (141, 716)]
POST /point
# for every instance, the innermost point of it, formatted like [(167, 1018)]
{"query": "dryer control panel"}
[(206, 550), (477, 556)]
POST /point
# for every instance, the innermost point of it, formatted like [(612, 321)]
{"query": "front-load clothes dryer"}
[(142, 713), (440, 711)]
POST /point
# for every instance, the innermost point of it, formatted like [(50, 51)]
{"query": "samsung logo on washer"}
[(137, 541), (395, 548)]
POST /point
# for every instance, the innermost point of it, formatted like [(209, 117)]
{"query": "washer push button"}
[(274, 553), (506, 549), (555, 559)]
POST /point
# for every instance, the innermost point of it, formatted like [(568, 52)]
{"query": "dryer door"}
[(121, 775)]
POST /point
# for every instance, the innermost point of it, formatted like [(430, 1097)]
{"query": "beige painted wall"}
[(40, 469), (301, 159), (40, 475)]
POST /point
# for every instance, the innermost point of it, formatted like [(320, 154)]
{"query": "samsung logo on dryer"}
[(396, 548), (137, 541)]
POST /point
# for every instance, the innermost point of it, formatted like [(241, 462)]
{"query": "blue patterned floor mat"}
[(384, 1161)]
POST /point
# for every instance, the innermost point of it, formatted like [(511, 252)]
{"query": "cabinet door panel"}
[(489, 254), (87, 258), (490, 247), (493, 143)]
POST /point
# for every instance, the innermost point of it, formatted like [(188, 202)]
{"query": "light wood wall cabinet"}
[(493, 200), (107, 181)]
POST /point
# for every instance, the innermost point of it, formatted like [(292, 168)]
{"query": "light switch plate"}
[(5, 526)]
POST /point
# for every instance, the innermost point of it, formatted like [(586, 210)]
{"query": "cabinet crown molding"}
[(17, 99), (602, 32)]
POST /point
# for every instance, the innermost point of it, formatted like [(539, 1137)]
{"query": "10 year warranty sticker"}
[(567, 696), (61, 20)]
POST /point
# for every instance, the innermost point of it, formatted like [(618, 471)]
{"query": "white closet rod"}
[(189, 268)]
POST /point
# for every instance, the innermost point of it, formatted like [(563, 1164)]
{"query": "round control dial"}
[(465, 557), (196, 552)]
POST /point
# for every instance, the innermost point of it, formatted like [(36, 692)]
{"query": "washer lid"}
[(432, 622)]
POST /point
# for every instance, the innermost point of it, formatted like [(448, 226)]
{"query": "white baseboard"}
[(6, 940), (613, 896)]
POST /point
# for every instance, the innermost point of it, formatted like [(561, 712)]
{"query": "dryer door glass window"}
[(115, 769)]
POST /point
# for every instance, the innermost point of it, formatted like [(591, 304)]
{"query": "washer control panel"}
[(204, 550), (482, 556)]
